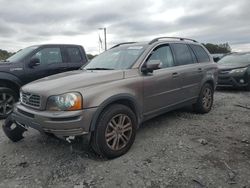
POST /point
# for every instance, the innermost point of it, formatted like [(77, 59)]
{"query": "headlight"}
[(238, 70), (65, 102)]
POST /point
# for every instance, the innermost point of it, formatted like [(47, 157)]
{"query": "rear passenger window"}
[(74, 54), (200, 53), (182, 54), (164, 54)]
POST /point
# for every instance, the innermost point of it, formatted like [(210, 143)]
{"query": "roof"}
[(165, 39), (40, 45)]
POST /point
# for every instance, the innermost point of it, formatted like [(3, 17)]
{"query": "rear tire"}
[(8, 98), (115, 131), (205, 100)]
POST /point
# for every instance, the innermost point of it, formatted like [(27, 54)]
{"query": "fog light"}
[(242, 81)]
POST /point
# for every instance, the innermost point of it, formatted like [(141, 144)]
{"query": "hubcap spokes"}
[(207, 98), (118, 132), (6, 103)]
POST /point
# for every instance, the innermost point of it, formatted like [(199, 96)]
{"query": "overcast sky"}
[(27, 22)]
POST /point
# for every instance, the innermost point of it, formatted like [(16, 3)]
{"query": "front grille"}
[(30, 99)]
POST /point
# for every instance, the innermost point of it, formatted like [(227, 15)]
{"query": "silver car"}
[(113, 94)]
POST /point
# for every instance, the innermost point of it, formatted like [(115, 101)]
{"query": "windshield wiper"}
[(99, 69)]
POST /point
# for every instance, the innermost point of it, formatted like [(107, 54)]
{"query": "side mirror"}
[(151, 65), (216, 59), (34, 62)]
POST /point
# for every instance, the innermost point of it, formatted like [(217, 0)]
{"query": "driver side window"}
[(164, 54), (49, 55)]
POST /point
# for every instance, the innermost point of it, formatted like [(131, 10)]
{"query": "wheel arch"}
[(124, 99), (10, 84), (211, 82), (10, 81)]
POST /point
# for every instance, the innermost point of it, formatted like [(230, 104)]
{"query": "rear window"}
[(74, 54), (182, 54), (200, 53)]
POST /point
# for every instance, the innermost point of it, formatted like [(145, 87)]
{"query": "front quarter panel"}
[(131, 85)]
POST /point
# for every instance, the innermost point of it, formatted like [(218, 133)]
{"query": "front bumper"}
[(232, 80), (60, 123)]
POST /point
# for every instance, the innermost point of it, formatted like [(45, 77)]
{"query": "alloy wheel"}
[(6, 103), (207, 98), (118, 132)]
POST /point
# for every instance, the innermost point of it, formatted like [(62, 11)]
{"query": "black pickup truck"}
[(33, 63)]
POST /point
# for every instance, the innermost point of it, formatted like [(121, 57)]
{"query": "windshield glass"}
[(235, 58), (21, 54), (118, 58)]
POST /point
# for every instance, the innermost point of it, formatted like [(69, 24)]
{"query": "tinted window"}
[(164, 54), (49, 55), (74, 54), (182, 54), (200, 53), (193, 55)]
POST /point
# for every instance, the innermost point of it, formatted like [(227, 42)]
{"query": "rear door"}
[(162, 87), (190, 70), (75, 57)]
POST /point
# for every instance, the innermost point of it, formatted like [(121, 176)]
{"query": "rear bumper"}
[(61, 124)]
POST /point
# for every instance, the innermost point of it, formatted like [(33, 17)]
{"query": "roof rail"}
[(122, 44), (157, 39)]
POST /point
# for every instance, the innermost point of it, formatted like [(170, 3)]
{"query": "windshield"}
[(236, 58), (21, 54), (116, 59)]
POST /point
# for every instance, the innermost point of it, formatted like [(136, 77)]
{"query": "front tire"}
[(115, 131), (205, 99), (8, 98)]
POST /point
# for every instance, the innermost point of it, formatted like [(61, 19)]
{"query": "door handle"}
[(175, 74), (200, 70)]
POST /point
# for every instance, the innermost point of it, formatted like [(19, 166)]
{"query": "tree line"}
[(4, 54), (212, 48), (218, 48)]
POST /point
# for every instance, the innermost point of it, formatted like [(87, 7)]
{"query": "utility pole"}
[(105, 37)]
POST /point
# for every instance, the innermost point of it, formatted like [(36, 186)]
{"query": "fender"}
[(111, 100), (211, 76), (11, 78)]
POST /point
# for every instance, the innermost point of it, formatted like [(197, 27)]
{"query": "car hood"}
[(68, 81), (5, 64), (232, 65)]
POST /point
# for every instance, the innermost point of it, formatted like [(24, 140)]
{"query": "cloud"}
[(5, 29), (27, 22)]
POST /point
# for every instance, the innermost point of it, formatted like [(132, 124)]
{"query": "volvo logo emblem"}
[(28, 96)]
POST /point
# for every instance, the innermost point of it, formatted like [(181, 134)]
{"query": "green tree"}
[(4, 54), (218, 48)]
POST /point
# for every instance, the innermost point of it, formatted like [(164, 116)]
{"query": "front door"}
[(51, 62), (162, 87)]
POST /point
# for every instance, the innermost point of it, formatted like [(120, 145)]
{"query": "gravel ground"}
[(177, 149)]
